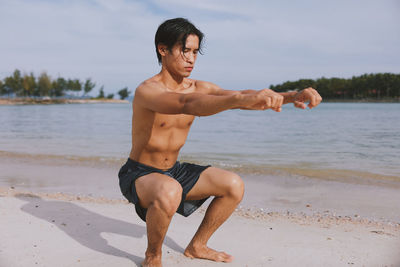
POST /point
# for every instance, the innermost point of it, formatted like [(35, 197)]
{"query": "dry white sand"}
[(52, 230), (303, 223)]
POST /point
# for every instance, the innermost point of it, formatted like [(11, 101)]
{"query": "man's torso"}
[(157, 138)]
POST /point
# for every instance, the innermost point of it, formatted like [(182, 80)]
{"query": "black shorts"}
[(186, 174)]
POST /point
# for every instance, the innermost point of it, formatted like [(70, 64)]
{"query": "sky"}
[(248, 44)]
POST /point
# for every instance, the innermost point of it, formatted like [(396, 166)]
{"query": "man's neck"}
[(171, 81)]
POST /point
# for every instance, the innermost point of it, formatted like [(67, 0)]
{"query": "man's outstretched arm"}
[(150, 96), (298, 98), (276, 100)]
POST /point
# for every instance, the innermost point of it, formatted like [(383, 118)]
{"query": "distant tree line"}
[(27, 85), (367, 86)]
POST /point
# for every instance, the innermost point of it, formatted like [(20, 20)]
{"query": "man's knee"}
[(168, 197), (235, 186)]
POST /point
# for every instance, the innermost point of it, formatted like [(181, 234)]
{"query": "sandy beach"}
[(64, 212)]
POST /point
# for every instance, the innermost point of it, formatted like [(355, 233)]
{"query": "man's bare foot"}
[(204, 252), (152, 262)]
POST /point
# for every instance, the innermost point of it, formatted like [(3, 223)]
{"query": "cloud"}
[(248, 45)]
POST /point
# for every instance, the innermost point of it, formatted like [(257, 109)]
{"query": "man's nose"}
[(190, 57)]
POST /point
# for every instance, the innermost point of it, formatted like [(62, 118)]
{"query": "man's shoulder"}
[(149, 85), (154, 85), (206, 87)]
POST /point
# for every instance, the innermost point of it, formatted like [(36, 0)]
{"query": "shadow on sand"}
[(85, 226)]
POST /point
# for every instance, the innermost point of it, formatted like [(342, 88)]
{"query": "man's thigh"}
[(213, 182), (150, 186)]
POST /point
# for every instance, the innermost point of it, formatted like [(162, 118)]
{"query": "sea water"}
[(332, 141)]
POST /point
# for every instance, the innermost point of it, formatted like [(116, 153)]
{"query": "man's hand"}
[(309, 95), (263, 99)]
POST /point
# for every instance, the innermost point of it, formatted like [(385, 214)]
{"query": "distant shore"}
[(48, 101), (365, 100)]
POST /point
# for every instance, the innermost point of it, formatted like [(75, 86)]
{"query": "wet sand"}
[(66, 212)]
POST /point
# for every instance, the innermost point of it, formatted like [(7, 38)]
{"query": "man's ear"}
[(162, 49)]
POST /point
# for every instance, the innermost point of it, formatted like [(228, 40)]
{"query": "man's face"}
[(181, 62)]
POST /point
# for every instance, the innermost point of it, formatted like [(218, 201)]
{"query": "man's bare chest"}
[(178, 121)]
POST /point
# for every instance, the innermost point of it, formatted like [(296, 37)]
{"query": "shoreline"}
[(50, 101), (345, 176)]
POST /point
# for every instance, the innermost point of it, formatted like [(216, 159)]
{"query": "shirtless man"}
[(164, 108)]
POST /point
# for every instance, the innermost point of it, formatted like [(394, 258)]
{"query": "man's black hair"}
[(176, 30)]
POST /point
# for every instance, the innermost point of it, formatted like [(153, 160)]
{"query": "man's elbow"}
[(183, 104), (193, 109), (190, 109), (187, 105), (192, 105)]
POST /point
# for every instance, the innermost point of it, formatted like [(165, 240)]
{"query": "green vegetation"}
[(27, 85), (371, 87), (123, 93), (101, 92)]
